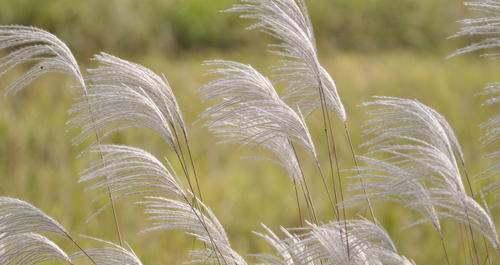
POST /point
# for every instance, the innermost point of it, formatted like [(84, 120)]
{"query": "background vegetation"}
[(371, 47), (135, 27)]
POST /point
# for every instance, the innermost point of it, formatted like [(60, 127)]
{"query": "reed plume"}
[(484, 27), (134, 174), (417, 139), (29, 249), (168, 214), (325, 244), (413, 155), (250, 112), (127, 95), (288, 21), (306, 79), (18, 218), (491, 136), (109, 254), (44, 53)]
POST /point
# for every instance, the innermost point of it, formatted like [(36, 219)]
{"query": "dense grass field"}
[(39, 164)]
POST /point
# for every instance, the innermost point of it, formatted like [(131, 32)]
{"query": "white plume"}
[(418, 140), (167, 214), (29, 249), (288, 21), (126, 95), (46, 53), (249, 111)]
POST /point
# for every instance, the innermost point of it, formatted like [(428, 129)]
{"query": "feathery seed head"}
[(249, 111), (29, 249), (32, 45), (308, 83)]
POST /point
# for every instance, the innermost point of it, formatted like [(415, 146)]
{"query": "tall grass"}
[(412, 158)]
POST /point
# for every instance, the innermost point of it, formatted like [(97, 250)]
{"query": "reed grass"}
[(413, 157)]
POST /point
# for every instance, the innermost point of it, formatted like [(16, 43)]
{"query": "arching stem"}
[(355, 160)]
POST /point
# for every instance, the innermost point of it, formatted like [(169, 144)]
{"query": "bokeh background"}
[(371, 47)]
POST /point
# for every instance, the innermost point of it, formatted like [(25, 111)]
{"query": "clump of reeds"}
[(413, 156)]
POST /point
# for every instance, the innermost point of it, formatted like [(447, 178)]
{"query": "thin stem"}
[(469, 183), (326, 120), (488, 257), (180, 156), (330, 160), (340, 186), (471, 234), (98, 141), (355, 160), (464, 244), (310, 208), (186, 140), (202, 221), (443, 244), (306, 192), (469, 246), (301, 221), (184, 169), (115, 217), (333, 204), (466, 173), (194, 203), (79, 247)]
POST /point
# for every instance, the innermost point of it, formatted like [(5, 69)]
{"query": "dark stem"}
[(355, 160), (115, 217), (301, 220), (330, 160), (464, 244), (79, 247), (466, 173), (469, 183), (202, 221), (98, 141), (328, 125), (305, 189), (488, 257), (340, 187), (310, 207), (186, 140), (471, 234), (180, 156), (333, 204), (194, 203), (443, 244)]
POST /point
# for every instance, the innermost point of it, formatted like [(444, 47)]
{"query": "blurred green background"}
[(135, 27), (371, 47)]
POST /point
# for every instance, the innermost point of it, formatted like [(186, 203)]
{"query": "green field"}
[(38, 162)]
